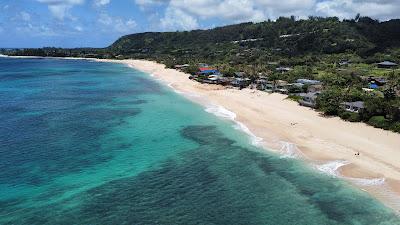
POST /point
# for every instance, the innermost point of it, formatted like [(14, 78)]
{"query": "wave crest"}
[(332, 169), (226, 114)]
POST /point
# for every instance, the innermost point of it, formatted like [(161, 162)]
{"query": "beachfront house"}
[(344, 63), (355, 107), (272, 63), (282, 69), (202, 65), (379, 81), (309, 99), (387, 65), (269, 86), (225, 80), (240, 74), (181, 67), (295, 87), (208, 71), (261, 83), (308, 81), (373, 85), (281, 86), (241, 82)]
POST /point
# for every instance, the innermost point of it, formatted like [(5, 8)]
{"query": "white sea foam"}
[(256, 141), (289, 150), (367, 182), (332, 169), (226, 114), (174, 89), (221, 112), (3, 56)]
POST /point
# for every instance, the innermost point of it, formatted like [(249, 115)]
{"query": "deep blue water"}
[(97, 143)]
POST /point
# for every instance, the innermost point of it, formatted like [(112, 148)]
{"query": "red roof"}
[(205, 69)]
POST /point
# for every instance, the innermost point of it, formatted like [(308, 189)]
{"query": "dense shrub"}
[(329, 101), (379, 121), (349, 116), (294, 97), (395, 127)]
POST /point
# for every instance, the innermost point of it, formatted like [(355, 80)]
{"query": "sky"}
[(98, 23)]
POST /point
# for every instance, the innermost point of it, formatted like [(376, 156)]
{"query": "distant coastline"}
[(329, 144)]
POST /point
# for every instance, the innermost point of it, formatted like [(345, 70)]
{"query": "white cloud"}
[(233, 10), (183, 14), (150, 2), (187, 14), (236, 10), (116, 24), (78, 28), (100, 3), (60, 8), (381, 9), (176, 19)]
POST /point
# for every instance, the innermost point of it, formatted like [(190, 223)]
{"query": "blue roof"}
[(373, 86), (209, 71)]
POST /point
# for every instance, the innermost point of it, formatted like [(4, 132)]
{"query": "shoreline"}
[(282, 126), (322, 142)]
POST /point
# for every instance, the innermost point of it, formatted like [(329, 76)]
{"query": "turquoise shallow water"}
[(95, 143)]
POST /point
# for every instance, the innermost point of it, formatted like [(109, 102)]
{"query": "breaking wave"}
[(172, 87), (332, 169), (290, 150), (226, 114)]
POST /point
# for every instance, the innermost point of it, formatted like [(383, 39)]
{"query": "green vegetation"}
[(350, 116), (379, 121), (341, 54), (294, 97)]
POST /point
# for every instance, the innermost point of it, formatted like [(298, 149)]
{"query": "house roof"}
[(298, 84), (358, 104), (202, 69), (387, 63), (180, 66), (307, 81), (283, 69), (310, 94), (240, 74), (373, 86), (281, 82)]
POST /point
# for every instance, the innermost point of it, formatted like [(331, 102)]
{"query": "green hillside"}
[(257, 42)]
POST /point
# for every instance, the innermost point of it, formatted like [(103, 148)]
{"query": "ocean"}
[(85, 142)]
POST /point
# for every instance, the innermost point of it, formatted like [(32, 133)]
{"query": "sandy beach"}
[(329, 144)]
